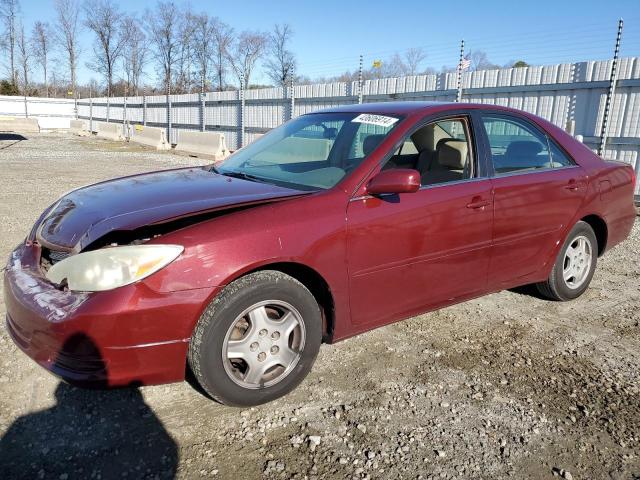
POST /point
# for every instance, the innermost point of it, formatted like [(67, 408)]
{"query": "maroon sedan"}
[(333, 224)]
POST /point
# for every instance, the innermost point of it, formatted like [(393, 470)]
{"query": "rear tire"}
[(257, 340), (574, 267)]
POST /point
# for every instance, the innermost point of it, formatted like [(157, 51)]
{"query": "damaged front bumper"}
[(128, 335)]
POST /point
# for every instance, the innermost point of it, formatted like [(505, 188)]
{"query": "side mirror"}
[(399, 180)]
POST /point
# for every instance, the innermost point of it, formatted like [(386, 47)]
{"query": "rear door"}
[(537, 190), (413, 252)]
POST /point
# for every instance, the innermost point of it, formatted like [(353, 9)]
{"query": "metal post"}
[(107, 108), (169, 111), (242, 104), (125, 123), (203, 125), (613, 79), (26, 109), (360, 81), (90, 109), (459, 87), (144, 106), (292, 104)]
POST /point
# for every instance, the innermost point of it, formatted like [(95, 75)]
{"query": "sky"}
[(330, 35)]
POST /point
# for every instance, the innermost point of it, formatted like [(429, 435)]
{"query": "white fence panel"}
[(563, 94)]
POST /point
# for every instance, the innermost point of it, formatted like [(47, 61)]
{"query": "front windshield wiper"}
[(242, 175)]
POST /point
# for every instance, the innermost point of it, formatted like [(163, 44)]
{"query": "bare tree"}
[(9, 10), (185, 51), (67, 30), (223, 38), (412, 59), (392, 67), (104, 19), (282, 62), (204, 45), (134, 54), (480, 61), (245, 52), (163, 27), (24, 56), (41, 44)]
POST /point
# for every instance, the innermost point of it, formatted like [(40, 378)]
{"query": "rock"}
[(297, 440), (362, 428), (441, 453), (314, 441)]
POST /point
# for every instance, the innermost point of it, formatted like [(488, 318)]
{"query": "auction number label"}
[(380, 120)]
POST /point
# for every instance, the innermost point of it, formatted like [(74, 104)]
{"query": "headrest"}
[(370, 143), (523, 148), (452, 153), (424, 139)]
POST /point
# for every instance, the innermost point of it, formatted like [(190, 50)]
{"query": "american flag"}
[(465, 63)]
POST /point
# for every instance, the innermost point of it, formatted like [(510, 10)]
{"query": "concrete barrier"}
[(202, 144), (109, 131), (152, 136), (79, 127), (19, 124)]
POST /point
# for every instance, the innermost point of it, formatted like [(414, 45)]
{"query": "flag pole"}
[(459, 89)]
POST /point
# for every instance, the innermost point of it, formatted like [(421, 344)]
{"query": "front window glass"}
[(311, 152), (440, 151)]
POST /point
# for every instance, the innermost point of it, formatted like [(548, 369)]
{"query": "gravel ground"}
[(507, 386)]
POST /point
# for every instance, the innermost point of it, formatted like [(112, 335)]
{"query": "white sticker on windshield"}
[(380, 120)]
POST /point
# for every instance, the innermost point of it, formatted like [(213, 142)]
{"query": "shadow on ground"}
[(10, 137), (89, 434)]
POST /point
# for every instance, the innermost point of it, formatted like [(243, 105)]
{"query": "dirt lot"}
[(506, 386)]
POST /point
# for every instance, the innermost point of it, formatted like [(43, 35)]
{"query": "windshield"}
[(310, 152)]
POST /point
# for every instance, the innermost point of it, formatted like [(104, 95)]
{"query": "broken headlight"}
[(113, 267)]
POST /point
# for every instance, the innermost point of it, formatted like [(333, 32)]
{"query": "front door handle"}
[(478, 203)]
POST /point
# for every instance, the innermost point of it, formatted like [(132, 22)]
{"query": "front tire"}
[(574, 267), (257, 340)]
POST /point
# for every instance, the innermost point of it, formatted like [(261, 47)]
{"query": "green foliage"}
[(8, 88), (520, 64)]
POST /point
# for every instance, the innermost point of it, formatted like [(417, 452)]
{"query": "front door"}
[(413, 252)]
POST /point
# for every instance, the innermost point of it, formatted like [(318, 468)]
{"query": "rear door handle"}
[(572, 185), (478, 203)]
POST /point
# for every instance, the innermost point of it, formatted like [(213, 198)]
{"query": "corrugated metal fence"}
[(51, 112), (571, 95)]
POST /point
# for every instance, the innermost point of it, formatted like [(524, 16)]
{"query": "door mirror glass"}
[(400, 180)]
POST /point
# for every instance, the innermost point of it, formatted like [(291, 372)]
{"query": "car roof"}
[(410, 107)]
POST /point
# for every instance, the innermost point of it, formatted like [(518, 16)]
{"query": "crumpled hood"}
[(87, 214)]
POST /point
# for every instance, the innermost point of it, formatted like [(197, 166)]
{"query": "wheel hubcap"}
[(577, 262), (263, 344)]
